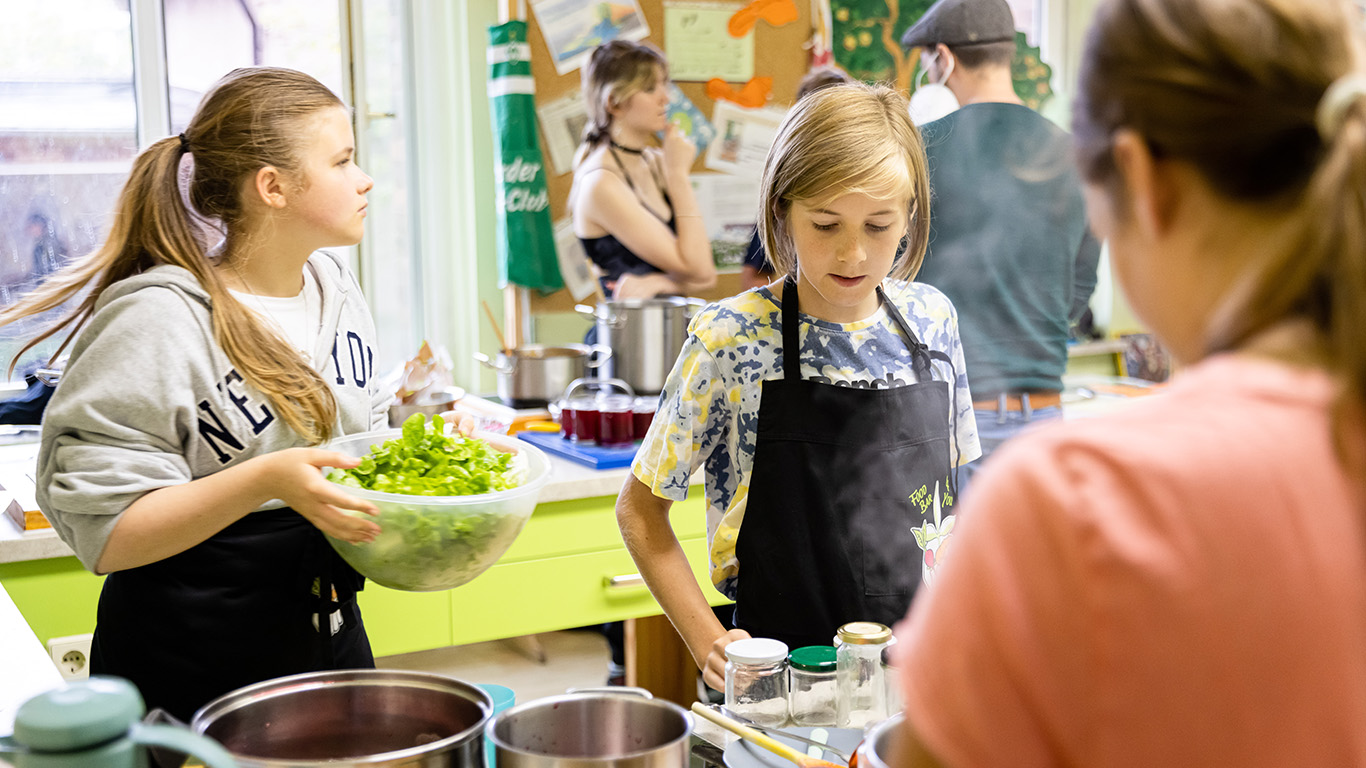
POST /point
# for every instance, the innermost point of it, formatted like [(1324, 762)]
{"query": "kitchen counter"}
[(567, 568), (568, 482)]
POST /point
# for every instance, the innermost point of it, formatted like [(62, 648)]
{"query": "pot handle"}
[(619, 384), (202, 748), (603, 352), (606, 316), (629, 690), (576, 383), (483, 358)]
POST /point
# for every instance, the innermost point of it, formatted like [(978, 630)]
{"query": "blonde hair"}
[(616, 71), (250, 119), (839, 140), (1234, 89)]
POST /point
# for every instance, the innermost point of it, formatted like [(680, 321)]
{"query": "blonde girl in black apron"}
[(844, 479)]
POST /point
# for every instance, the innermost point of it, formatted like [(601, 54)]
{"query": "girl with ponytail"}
[(213, 347), (1183, 583), (632, 203)]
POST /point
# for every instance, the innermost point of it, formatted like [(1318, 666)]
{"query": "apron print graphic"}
[(934, 534)]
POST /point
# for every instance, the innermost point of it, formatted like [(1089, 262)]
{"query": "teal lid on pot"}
[(78, 716), (813, 658)]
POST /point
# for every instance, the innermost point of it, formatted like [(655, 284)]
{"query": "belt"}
[(1016, 402)]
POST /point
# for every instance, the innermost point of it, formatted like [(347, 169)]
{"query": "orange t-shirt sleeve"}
[(994, 657)]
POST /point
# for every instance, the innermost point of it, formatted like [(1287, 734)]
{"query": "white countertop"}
[(25, 668)]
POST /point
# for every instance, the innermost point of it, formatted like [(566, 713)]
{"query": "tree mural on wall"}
[(865, 37), (866, 34)]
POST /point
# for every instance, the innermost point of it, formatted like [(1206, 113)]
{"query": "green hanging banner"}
[(526, 236)]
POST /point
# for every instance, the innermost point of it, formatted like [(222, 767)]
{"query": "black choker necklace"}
[(627, 149)]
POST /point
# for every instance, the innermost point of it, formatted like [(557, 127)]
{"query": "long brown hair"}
[(249, 120), (616, 71), (1237, 91), (842, 139)]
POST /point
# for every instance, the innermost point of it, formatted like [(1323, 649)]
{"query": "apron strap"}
[(922, 356), (792, 352)]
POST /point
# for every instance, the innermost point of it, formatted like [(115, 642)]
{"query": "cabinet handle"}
[(625, 582)]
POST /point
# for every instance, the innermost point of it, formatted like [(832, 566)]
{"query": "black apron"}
[(237, 609), (827, 533)]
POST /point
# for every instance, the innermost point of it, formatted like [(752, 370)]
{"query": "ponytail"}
[(593, 137), (1283, 131), (248, 121), (1337, 201)]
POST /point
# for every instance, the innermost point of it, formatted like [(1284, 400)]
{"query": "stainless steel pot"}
[(536, 374), (592, 729), (879, 747), (355, 717), (645, 336)]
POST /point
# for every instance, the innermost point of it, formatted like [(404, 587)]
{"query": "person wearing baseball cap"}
[(1009, 241)]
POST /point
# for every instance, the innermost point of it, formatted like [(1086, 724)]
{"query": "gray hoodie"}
[(149, 400)]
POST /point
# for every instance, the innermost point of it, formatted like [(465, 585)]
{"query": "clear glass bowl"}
[(428, 543)]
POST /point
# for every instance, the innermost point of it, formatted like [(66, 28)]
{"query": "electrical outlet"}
[(71, 654)]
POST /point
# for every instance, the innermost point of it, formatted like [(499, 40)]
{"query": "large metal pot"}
[(592, 729), (534, 374), (355, 717), (645, 336)]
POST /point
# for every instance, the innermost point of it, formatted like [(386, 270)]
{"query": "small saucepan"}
[(535, 374)]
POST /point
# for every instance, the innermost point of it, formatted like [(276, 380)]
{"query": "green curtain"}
[(526, 236)]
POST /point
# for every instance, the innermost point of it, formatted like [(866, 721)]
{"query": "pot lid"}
[(77, 716)]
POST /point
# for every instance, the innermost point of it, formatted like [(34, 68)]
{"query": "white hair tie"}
[(1333, 106)]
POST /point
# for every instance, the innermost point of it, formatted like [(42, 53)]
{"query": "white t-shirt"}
[(296, 318)]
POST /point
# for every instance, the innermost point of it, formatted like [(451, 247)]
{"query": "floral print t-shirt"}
[(709, 410)]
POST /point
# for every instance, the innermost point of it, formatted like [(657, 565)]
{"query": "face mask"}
[(932, 101)]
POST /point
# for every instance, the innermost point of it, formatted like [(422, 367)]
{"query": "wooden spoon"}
[(502, 342)]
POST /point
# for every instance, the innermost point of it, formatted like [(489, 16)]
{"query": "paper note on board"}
[(730, 206), (575, 268), (562, 122), (743, 137), (700, 47), (573, 28)]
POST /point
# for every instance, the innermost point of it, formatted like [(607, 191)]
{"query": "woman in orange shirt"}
[(1183, 583)]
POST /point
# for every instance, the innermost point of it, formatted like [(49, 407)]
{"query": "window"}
[(68, 132), (70, 103)]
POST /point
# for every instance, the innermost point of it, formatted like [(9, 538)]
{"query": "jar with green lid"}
[(811, 685), (860, 685)]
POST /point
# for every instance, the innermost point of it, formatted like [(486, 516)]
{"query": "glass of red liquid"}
[(615, 429), (642, 415), (579, 419)]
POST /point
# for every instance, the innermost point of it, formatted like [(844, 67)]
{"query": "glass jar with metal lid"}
[(811, 685), (756, 680), (861, 687)]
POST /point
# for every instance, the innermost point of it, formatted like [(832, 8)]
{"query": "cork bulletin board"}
[(779, 52)]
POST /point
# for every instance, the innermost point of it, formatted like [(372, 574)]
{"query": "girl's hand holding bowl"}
[(292, 476)]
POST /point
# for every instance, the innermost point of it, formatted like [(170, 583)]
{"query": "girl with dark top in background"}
[(632, 204)]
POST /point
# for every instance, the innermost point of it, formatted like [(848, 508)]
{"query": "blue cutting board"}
[(588, 455)]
